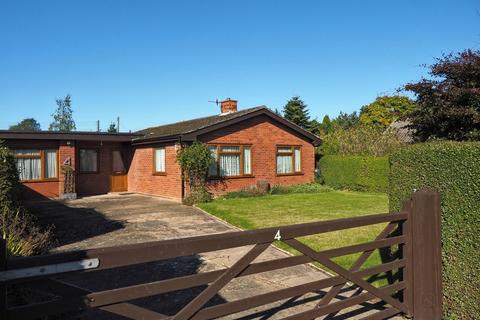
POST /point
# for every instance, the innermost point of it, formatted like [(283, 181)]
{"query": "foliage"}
[(385, 110), (63, 116), (359, 173), (253, 191), (9, 184), (244, 193), (194, 161), (449, 102), (451, 168), (293, 208), (199, 195), (17, 227), (296, 111), (27, 124), (346, 120), (324, 127), (300, 188), (23, 236), (112, 128), (360, 140)]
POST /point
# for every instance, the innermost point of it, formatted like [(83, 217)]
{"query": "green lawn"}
[(286, 209)]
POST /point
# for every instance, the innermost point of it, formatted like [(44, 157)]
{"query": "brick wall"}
[(141, 178), (264, 134)]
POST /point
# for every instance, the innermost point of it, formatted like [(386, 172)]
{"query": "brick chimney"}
[(228, 105)]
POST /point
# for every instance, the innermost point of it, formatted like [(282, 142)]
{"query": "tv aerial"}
[(214, 101)]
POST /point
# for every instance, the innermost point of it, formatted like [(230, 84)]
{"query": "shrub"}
[(245, 193), (22, 235), (453, 169), (9, 185), (300, 188), (360, 140), (360, 173), (254, 191), (17, 226), (194, 161)]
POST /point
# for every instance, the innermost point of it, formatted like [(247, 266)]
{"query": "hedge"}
[(362, 173), (453, 169)]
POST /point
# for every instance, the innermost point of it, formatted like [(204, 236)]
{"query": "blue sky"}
[(155, 62)]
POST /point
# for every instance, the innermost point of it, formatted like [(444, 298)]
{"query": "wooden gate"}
[(415, 286)]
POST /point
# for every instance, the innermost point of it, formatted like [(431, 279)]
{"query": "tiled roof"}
[(189, 126)]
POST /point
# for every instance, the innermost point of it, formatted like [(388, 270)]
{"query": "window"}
[(289, 160), (50, 164), (88, 160), (230, 161), (159, 160), (34, 164), (117, 162)]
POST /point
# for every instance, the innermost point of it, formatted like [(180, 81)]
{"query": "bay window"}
[(230, 161), (35, 164), (289, 160)]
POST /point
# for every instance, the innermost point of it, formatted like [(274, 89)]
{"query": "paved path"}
[(116, 219)]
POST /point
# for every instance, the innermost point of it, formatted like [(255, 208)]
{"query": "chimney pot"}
[(228, 105)]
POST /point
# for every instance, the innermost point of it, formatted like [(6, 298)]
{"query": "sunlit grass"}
[(286, 209)]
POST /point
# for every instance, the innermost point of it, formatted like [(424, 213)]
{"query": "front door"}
[(118, 179)]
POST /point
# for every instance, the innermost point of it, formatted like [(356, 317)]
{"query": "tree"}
[(112, 128), (326, 124), (320, 128), (346, 121), (296, 111), (62, 118), (449, 101), (385, 110), (27, 124)]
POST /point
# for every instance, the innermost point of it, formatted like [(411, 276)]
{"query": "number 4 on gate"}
[(277, 236)]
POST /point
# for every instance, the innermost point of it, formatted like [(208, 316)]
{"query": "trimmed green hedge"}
[(361, 173), (453, 169)]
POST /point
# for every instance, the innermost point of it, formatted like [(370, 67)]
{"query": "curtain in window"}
[(247, 166), (118, 165), (29, 169), (88, 160), (298, 161), (212, 169), (50, 163), (284, 164), (229, 165), (160, 160)]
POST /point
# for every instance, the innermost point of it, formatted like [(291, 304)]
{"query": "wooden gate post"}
[(426, 264)]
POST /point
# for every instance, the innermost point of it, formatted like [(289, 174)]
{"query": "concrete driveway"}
[(118, 219)]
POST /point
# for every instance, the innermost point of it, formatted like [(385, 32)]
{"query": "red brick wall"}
[(141, 177), (264, 135)]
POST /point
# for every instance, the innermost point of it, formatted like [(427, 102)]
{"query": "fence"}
[(415, 288)]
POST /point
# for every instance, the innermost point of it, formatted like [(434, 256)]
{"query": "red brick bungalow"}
[(248, 145)]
